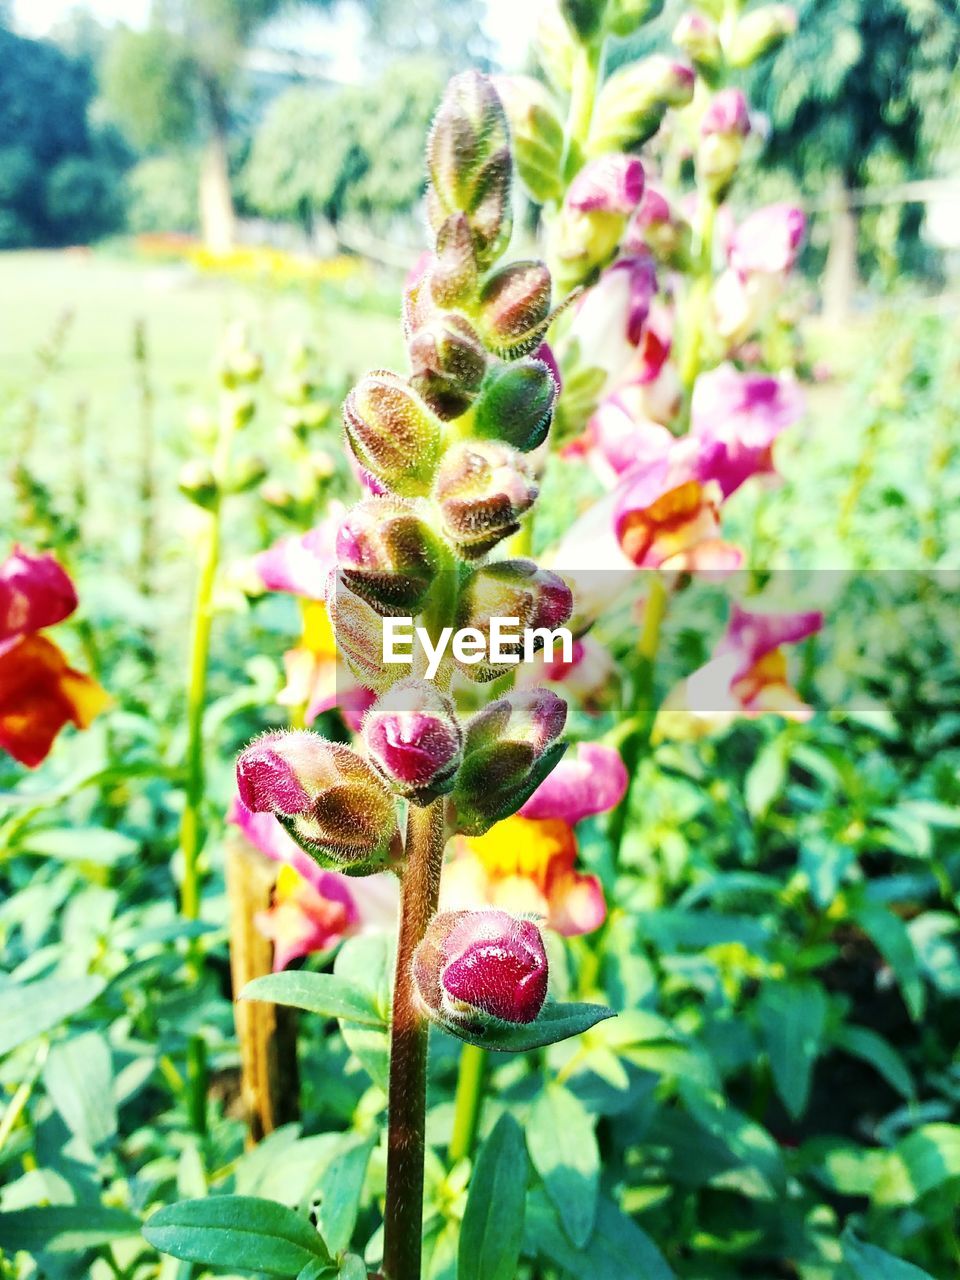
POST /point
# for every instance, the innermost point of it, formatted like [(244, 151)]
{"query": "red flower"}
[(39, 694)]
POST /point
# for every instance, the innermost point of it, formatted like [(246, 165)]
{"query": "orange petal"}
[(39, 694)]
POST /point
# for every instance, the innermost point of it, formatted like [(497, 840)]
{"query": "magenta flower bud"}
[(658, 227), (448, 363), (761, 31), (612, 184), (414, 740), (699, 39), (474, 969), (388, 553), (725, 124), (35, 592), (509, 748), (516, 404), (727, 114), (767, 241), (393, 433), (326, 796), (514, 308), (634, 100), (594, 215), (483, 489), (539, 599), (468, 159)]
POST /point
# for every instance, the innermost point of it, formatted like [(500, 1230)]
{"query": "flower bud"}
[(247, 473), (388, 554), (483, 488), (468, 159), (658, 227), (761, 31), (537, 133), (583, 17), (392, 432), (453, 276), (516, 404), (358, 628), (725, 124), (199, 485), (477, 968), (768, 240), (509, 748), (414, 740), (448, 361), (325, 795), (625, 16), (699, 39), (514, 308), (35, 592), (634, 101), (536, 598), (600, 199)]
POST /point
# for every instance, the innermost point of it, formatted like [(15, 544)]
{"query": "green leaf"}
[(352, 1268), (766, 777), (322, 993), (563, 1148), (617, 1247), (866, 1262), (556, 1022), (28, 1009), (78, 1076), (920, 1163), (792, 1019), (889, 935), (339, 1188), (869, 1047), (82, 844), (64, 1228), (242, 1232), (492, 1230)]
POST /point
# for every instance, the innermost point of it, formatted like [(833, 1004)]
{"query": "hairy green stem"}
[(468, 1102), (407, 1101)]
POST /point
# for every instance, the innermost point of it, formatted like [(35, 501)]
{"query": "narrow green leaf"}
[(869, 1047), (322, 993), (78, 1076), (242, 1232), (889, 935), (64, 1228), (339, 1188), (866, 1262), (492, 1230), (766, 777), (556, 1022), (81, 844), (30, 1008), (563, 1147), (792, 1020)]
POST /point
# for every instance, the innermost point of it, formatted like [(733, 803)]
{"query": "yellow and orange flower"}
[(526, 866)]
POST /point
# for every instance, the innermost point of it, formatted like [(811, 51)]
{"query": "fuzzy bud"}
[(483, 488), (358, 629), (388, 554), (725, 124), (633, 102), (414, 740), (468, 159), (761, 31), (537, 133), (537, 598), (514, 308), (198, 484), (474, 969), (600, 199), (326, 796), (699, 39), (509, 748), (516, 404), (448, 361), (392, 432), (625, 16), (453, 277)]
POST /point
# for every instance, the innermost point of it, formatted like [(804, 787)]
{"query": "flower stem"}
[(696, 310), (468, 1102), (407, 1104), (583, 91)]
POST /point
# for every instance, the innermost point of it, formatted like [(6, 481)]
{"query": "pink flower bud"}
[(768, 240), (514, 308), (35, 592), (448, 362), (595, 214), (483, 488), (414, 740), (392, 432), (388, 553), (325, 795), (474, 968), (697, 36), (611, 184), (727, 114), (537, 598), (634, 100), (516, 404)]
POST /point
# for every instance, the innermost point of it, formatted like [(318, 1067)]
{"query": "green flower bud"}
[(453, 277), (625, 16), (537, 598), (516, 404), (358, 629), (449, 362), (584, 17), (760, 32), (388, 554), (537, 132), (393, 433), (483, 488), (633, 102), (509, 748), (199, 485), (514, 308), (248, 472), (699, 39)]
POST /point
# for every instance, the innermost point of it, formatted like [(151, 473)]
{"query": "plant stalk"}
[(468, 1102), (407, 1102)]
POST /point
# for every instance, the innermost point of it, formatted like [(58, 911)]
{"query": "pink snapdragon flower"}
[(736, 417), (590, 779), (768, 240), (587, 681), (300, 564), (610, 184)]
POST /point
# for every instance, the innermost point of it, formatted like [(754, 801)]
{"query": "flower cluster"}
[(39, 691)]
